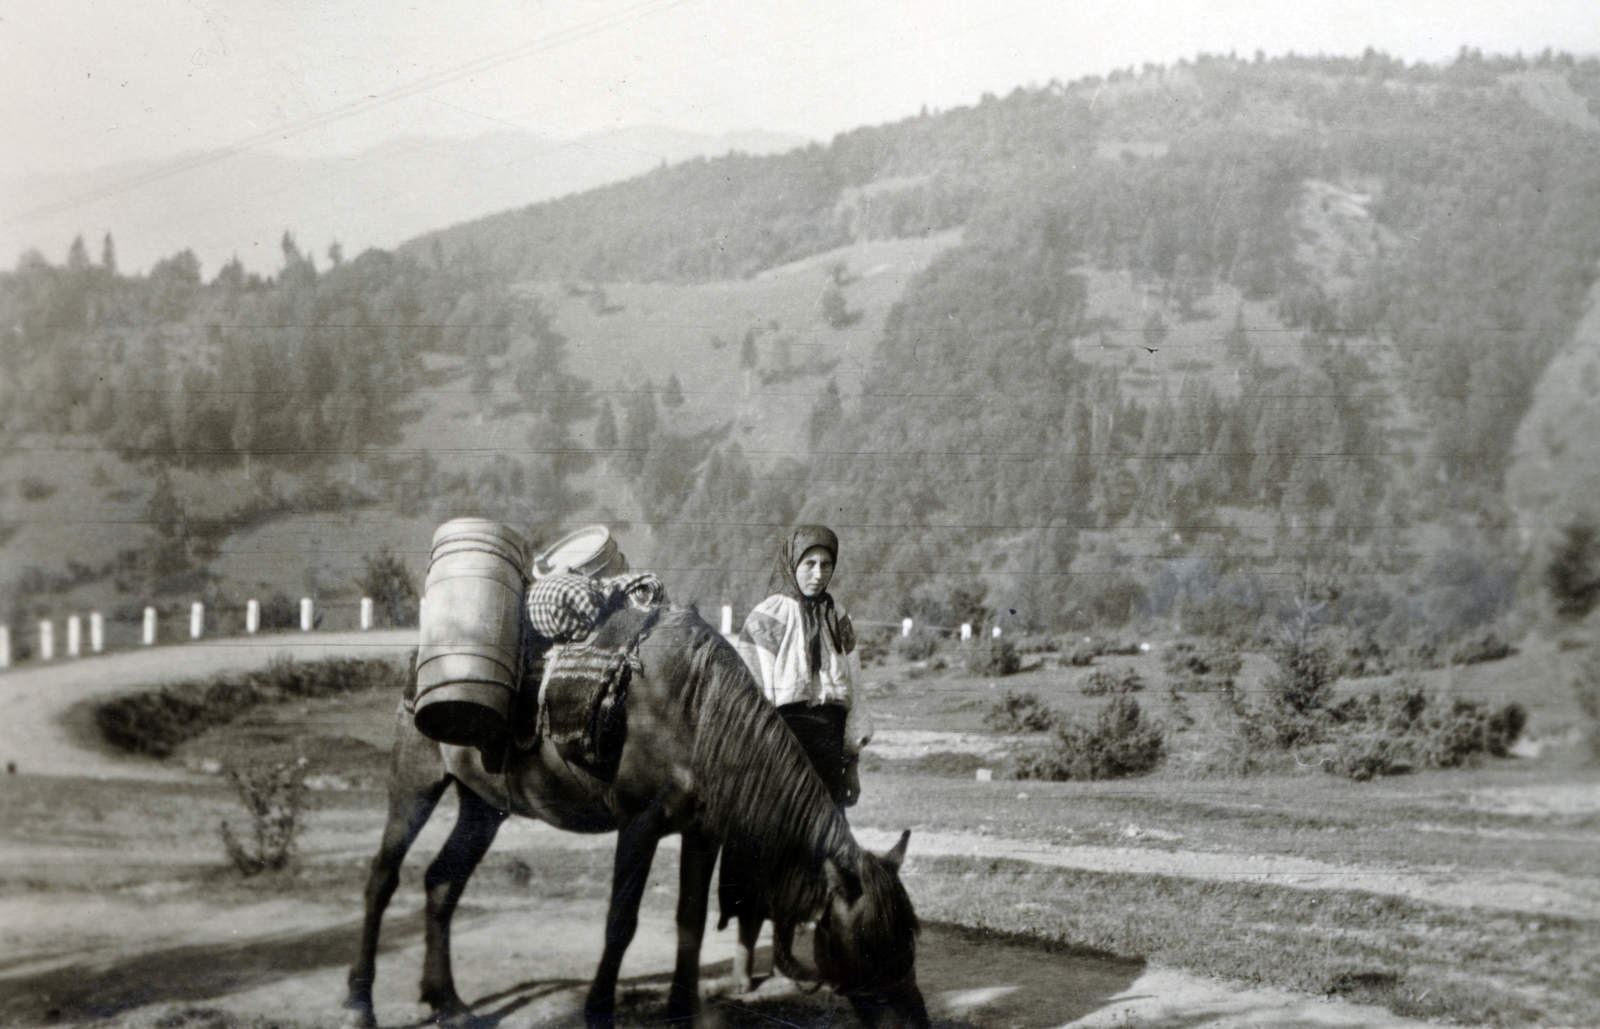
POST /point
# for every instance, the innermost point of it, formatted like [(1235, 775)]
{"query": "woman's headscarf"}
[(817, 612)]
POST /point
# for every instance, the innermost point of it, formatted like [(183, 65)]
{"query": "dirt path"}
[(34, 700)]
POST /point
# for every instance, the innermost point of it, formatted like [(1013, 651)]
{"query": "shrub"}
[(273, 798), (158, 721), (1019, 712), (1480, 649), (1200, 670), (1105, 680), (995, 657), (919, 645), (1120, 743), (387, 581), (1305, 674), (1079, 657), (1035, 643), (279, 612), (1587, 685), (1573, 573), (872, 645), (1384, 733)]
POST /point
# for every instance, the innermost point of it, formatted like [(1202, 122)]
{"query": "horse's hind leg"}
[(417, 781), (446, 878)]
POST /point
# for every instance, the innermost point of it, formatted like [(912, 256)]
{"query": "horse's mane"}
[(756, 790)]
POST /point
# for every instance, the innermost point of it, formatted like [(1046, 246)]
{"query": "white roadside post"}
[(727, 619), (74, 636), (966, 631), (366, 613), (149, 636), (905, 628), (97, 632), (197, 620), (997, 632), (47, 640), (305, 614), (252, 616), (5, 646)]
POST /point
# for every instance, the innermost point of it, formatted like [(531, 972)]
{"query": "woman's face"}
[(814, 571)]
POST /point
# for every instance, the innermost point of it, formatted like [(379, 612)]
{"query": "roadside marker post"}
[(74, 636), (966, 631), (727, 619), (197, 620), (5, 646), (47, 640), (149, 637), (905, 628), (366, 613), (97, 632), (252, 616), (305, 614)]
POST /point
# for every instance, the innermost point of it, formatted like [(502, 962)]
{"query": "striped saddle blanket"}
[(583, 693)]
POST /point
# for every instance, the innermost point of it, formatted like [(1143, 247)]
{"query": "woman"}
[(801, 647)]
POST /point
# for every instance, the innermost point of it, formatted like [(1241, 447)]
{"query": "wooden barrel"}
[(469, 656)]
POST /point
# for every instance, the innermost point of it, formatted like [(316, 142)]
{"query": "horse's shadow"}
[(191, 972)]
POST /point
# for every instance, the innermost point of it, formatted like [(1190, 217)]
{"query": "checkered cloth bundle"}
[(567, 607)]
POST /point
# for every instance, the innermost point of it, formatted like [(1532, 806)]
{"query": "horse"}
[(705, 756)]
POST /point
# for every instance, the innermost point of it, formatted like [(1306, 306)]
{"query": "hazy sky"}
[(91, 82)]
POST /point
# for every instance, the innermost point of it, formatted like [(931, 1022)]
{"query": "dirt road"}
[(34, 700)]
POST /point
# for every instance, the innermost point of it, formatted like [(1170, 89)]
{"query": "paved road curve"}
[(34, 700)]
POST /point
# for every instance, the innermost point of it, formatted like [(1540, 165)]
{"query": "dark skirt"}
[(820, 730)]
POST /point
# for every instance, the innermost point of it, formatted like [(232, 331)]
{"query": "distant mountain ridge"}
[(242, 205)]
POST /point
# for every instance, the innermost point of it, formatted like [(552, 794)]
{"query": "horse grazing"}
[(705, 756)]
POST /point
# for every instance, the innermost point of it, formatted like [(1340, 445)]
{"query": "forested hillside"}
[(1201, 341)]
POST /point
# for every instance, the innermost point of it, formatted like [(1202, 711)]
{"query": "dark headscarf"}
[(817, 612)]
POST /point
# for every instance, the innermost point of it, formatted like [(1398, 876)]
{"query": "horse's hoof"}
[(358, 1018)]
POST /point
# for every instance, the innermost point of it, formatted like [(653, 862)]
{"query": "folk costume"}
[(802, 652)]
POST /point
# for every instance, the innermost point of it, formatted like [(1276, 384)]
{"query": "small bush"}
[(1481, 649), (1573, 573), (1120, 646), (388, 582), (159, 721), (1019, 712), (1384, 733), (1305, 676), (1104, 680), (1081, 656), (1199, 670), (872, 645), (1120, 743), (278, 613), (996, 657), (1587, 686), (1035, 643), (273, 798), (919, 645)]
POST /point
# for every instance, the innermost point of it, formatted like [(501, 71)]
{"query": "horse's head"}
[(866, 942)]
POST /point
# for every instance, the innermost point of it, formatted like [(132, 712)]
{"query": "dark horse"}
[(706, 757)]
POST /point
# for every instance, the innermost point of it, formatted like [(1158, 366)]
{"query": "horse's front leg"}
[(444, 882), (695, 866), (636, 849)]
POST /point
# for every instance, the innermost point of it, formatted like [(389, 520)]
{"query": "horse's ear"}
[(897, 854)]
